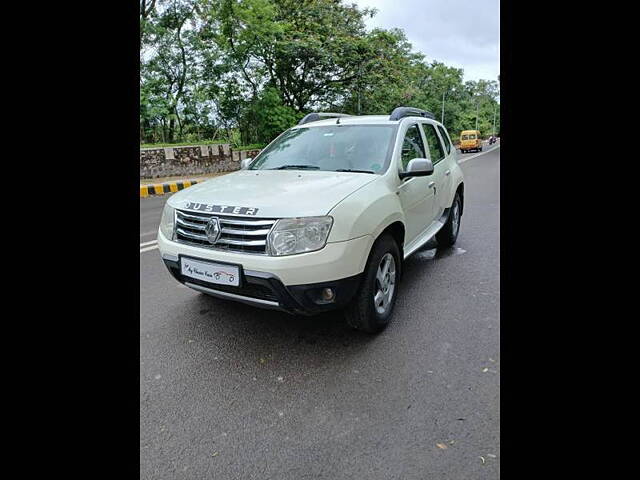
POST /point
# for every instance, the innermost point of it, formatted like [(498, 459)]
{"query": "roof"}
[(357, 120)]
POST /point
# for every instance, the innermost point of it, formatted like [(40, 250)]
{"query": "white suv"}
[(322, 218)]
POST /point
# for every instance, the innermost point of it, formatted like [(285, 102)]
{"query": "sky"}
[(458, 33)]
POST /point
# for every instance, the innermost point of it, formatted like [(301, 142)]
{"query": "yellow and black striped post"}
[(167, 187)]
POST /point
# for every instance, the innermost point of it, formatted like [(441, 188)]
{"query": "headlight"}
[(167, 221), (299, 235)]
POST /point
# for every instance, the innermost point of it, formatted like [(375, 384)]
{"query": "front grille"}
[(244, 235)]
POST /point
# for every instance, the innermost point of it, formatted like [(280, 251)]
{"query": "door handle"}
[(447, 172), (432, 184)]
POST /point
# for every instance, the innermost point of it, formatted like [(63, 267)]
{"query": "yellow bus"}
[(470, 140)]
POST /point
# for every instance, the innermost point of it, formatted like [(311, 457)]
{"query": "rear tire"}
[(372, 306), (448, 234)]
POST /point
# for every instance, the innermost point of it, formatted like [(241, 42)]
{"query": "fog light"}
[(327, 294)]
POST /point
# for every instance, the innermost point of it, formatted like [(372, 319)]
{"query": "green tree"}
[(267, 117), (244, 70), (384, 74), (168, 68), (147, 9)]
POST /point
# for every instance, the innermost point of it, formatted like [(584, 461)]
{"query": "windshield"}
[(363, 148)]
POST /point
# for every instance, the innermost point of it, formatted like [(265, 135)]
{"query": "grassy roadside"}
[(151, 181), (255, 146), (182, 144)]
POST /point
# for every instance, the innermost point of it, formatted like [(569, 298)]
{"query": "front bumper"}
[(266, 290), (290, 283), (336, 260)]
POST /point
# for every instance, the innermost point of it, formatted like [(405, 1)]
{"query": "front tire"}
[(448, 234), (372, 306)]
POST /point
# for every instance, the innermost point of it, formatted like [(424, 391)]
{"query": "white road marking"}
[(477, 155), (148, 243), (142, 250)]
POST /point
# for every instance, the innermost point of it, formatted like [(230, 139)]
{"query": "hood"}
[(271, 193)]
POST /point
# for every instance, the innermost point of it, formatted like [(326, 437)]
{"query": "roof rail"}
[(402, 112), (314, 117)]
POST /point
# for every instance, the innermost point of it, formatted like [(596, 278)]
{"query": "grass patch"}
[(182, 144), (253, 146)]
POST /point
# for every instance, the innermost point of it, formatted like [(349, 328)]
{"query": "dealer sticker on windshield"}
[(210, 272), (203, 207)]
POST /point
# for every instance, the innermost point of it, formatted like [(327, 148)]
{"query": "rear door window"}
[(435, 147), (445, 138)]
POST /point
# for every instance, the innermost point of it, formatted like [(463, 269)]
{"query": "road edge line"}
[(478, 154)]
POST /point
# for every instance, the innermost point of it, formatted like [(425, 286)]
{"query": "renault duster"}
[(322, 218)]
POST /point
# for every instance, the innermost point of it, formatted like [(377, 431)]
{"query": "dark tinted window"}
[(445, 138), (435, 147), (412, 147)]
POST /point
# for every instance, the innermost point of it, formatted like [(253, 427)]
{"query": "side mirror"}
[(244, 164), (418, 167)]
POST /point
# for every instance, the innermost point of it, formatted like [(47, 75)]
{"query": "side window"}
[(412, 147), (435, 147), (445, 138)]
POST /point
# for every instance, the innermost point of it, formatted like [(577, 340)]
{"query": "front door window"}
[(412, 147)]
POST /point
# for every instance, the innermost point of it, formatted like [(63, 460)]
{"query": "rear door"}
[(439, 156), (450, 161)]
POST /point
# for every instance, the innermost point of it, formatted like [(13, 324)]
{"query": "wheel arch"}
[(397, 230)]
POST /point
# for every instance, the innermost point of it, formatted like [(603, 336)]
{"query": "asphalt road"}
[(228, 391)]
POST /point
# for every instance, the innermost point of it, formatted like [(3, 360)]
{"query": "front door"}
[(416, 194)]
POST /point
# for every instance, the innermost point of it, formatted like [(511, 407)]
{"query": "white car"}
[(322, 218)]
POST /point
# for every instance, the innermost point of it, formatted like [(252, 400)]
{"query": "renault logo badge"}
[(212, 230)]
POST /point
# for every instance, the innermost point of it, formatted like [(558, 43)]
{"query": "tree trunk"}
[(179, 125), (171, 130)]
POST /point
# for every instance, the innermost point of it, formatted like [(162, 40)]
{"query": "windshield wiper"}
[(296, 167), (352, 170)]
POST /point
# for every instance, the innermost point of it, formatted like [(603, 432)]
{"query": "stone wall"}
[(191, 160)]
